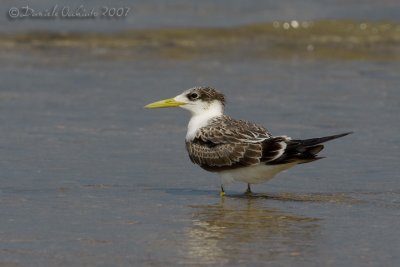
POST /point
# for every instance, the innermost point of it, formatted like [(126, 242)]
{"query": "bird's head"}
[(198, 100)]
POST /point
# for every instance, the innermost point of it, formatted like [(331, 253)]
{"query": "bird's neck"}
[(201, 118)]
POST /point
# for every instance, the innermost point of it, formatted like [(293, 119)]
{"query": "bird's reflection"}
[(243, 229)]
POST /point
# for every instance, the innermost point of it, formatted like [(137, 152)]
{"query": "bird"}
[(238, 150)]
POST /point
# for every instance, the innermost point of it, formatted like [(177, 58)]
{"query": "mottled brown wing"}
[(218, 157), (219, 146), (224, 129)]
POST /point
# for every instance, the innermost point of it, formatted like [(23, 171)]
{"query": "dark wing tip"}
[(318, 140), (305, 150), (328, 138), (344, 134)]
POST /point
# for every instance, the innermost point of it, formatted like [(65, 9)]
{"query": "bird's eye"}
[(193, 96)]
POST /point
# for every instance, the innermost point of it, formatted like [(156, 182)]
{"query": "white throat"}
[(201, 119)]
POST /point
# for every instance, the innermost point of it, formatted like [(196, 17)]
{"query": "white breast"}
[(201, 119)]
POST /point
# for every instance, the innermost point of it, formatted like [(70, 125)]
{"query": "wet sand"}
[(324, 39)]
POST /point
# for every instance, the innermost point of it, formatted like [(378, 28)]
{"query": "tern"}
[(239, 151)]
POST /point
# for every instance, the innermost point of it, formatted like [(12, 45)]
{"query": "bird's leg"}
[(248, 191), (222, 193)]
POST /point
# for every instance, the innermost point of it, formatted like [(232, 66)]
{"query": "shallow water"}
[(89, 177)]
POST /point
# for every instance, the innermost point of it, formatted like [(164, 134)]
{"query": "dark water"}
[(90, 178)]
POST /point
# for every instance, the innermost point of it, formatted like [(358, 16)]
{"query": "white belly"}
[(253, 174)]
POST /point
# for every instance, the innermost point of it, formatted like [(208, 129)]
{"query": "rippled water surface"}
[(90, 178)]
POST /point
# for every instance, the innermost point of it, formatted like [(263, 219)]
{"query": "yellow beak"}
[(166, 103)]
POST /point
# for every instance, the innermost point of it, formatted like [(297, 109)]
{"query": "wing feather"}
[(227, 143)]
